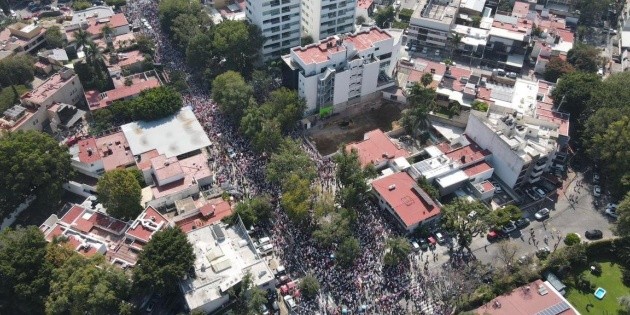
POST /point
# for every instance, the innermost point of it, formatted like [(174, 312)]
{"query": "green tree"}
[(360, 20), (348, 251), (232, 94), (405, 14), (584, 57), (169, 10), (87, 286), (289, 160), (556, 68), (622, 226), (455, 218), (119, 191), (480, 106), (333, 227), (252, 211), (476, 21), (296, 198), (166, 258), (53, 37), (571, 239), (287, 107), (79, 5), (228, 42), (256, 299), (185, 27), (262, 84), (612, 149), (384, 16), (156, 103), (38, 167), (306, 40), (17, 70), (426, 79), (309, 286), (428, 188), (24, 270), (352, 178), (574, 91), (396, 251), (421, 101), (612, 93), (506, 214), (178, 80), (145, 44)]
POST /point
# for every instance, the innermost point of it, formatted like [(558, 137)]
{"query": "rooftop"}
[(222, 257), (98, 100), (537, 297), (172, 136), (478, 168), (320, 52), (364, 4), (469, 154), (213, 211), (165, 168), (438, 10), (112, 149), (406, 198), (148, 223), (193, 169), (49, 87), (376, 147), (521, 9), (98, 12)]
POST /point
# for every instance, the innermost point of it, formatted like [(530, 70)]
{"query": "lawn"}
[(610, 280)]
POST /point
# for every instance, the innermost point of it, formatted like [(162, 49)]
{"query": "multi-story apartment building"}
[(279, 21), (432, 21), (323, 18), (342, 67)]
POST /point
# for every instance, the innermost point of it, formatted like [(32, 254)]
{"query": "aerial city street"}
[(314, 157)]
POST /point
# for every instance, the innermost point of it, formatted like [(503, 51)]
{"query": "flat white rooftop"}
[(222, 257), (172, 136)]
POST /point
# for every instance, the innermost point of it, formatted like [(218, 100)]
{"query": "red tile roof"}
[(97, 100), (376, 147), (364, 4), (520, 9), (526, 300), (477, 169), (409, 201), (469, 154), (165, 168), (114, 150), (209, 214), (487, 186), (153, 222), (72, 214)]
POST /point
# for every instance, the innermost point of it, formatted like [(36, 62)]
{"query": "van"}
[(264, 241), (266, 249)]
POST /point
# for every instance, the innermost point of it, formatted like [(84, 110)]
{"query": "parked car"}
[(508, 228), (595, 178), (264, 310), (440, 238), (150, 307), (424, 50), (495, 235), (291, 305), (612, 212), (521, 223), (511, 75), (541, 192), (275, 307), (437, 52), (13, 14), (542, 214), (424, 245), (597, 191), (532, 194), (593, 234)]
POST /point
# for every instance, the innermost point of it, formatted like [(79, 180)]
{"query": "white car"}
[(13, 14), (437, 52), (597, 191), (612, 212), (424, 50), (542, 214), (288, 300)]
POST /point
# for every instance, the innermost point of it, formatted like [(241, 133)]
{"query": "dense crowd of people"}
[(368, 284)]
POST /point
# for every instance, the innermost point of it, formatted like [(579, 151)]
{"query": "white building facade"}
[(342, 68), (323, 18), (431, 22), (279, 21)]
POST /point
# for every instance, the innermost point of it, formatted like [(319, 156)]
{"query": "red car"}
[(288, 288), (495, 235)]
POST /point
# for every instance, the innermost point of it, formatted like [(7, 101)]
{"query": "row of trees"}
[(151, 104), (210, 49), (39, 277), (581, 58)]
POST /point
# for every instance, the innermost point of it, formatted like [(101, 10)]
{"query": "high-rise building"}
[(323, 18), (279, 21)]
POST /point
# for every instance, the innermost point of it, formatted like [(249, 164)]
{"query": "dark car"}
[(495, 235), (521, 223), (593, 234)]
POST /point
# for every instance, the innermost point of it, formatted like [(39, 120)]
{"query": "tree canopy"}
[(384, 16), (455, 218), (232, 94), (53, 37), (252, 211), (348, 251), (17, 70), (309, 286), (352, 178), (503, 216), (296, 197), (166, 258), (87, 286), (290, 159), (576, 89), (120, 193), (396, 251), (556, 67), (421, 101), (37, 165), (333, 227), (622, 226), (25, 271), (584, 58)]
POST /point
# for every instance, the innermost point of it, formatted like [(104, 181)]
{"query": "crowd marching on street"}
[(383, 290)]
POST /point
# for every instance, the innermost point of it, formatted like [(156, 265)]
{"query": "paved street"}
[(565, 218)]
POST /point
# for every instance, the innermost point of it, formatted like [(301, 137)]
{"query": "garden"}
[(607, 275)]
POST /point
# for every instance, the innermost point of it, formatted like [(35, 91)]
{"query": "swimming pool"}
[(599, 293)]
